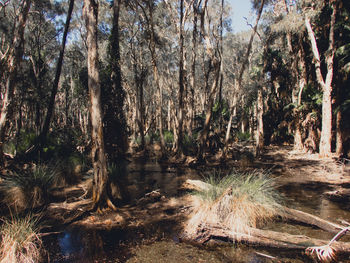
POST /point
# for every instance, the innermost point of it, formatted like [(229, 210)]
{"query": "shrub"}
[(168, 138), (20, 241), (71, 168), (29, 189), (236, 201), (243, 136), (189, 143)]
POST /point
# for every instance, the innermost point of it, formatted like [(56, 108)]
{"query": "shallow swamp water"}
[(160, 241)]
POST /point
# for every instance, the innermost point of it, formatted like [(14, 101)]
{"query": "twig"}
[(250, 25), (49, 233), (326, 253), (264, 255)]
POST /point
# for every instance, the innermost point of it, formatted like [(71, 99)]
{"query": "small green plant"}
[(189, 143), (243, 136), (236, 201), (20, 242), (29, 189), (168, 138)]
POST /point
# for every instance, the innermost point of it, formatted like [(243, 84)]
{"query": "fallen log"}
[(65, 213), (340, 194), (311, 220), (265, 238), (286, 213)]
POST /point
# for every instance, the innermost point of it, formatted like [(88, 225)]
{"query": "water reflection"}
[(120, 245)]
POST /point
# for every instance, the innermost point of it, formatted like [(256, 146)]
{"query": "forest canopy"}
[(173, 74)]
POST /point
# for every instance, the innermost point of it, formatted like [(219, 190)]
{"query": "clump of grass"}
[(236, 201), (20, 241), (29, 189)]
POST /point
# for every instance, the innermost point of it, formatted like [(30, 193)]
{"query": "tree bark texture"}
[(99, 195), (326, 84), (13, 63), (260, 124), (179, 141), (215, 66), (114, 96)]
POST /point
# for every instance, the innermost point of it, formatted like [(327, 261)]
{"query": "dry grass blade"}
[(19, 241), (237, 201)]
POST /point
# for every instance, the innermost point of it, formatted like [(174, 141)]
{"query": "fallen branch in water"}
[(326, 253), (266, 238)]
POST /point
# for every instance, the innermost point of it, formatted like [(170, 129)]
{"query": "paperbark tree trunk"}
[(152, 48), (99, 192), (13, 63), (260, 124), (193, 66), (179, 141), (326, 84), (114, 122), (215, 65)]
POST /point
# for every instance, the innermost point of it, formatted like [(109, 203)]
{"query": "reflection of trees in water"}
[(93, 244)]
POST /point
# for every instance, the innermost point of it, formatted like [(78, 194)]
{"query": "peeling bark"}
[(100, 196), (326, 84)]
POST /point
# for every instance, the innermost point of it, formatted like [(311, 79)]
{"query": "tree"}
[(113, 96), (100, 196), (13, 60), (326, 84), (51, 106)]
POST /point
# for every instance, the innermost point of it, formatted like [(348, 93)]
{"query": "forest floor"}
[(156, 216), (286, 165), (300, 167)]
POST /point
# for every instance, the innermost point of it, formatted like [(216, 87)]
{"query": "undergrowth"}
[(236, 201), (30, 188), (20, 242)]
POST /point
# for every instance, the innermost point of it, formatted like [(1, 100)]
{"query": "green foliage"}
[(189, 143), (243, 136), (20, 241), (168, 137), (257, 185), (71, 168), (25, 140), (220, 110)]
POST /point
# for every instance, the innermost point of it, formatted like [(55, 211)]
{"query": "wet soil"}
[(148, 229)]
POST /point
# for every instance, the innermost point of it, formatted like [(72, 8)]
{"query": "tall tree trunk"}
[(114, 122), (326, 85), (298, 144), (100, 179), (260, 124), (152, 48), (215, 65), (179, 141), (13, 63), (339, 135), (298, 137), (193, 66), (238, 82), (51, 106)]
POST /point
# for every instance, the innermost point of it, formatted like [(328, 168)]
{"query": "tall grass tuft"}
[(29, 189), (20, 242), (236, 201)]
